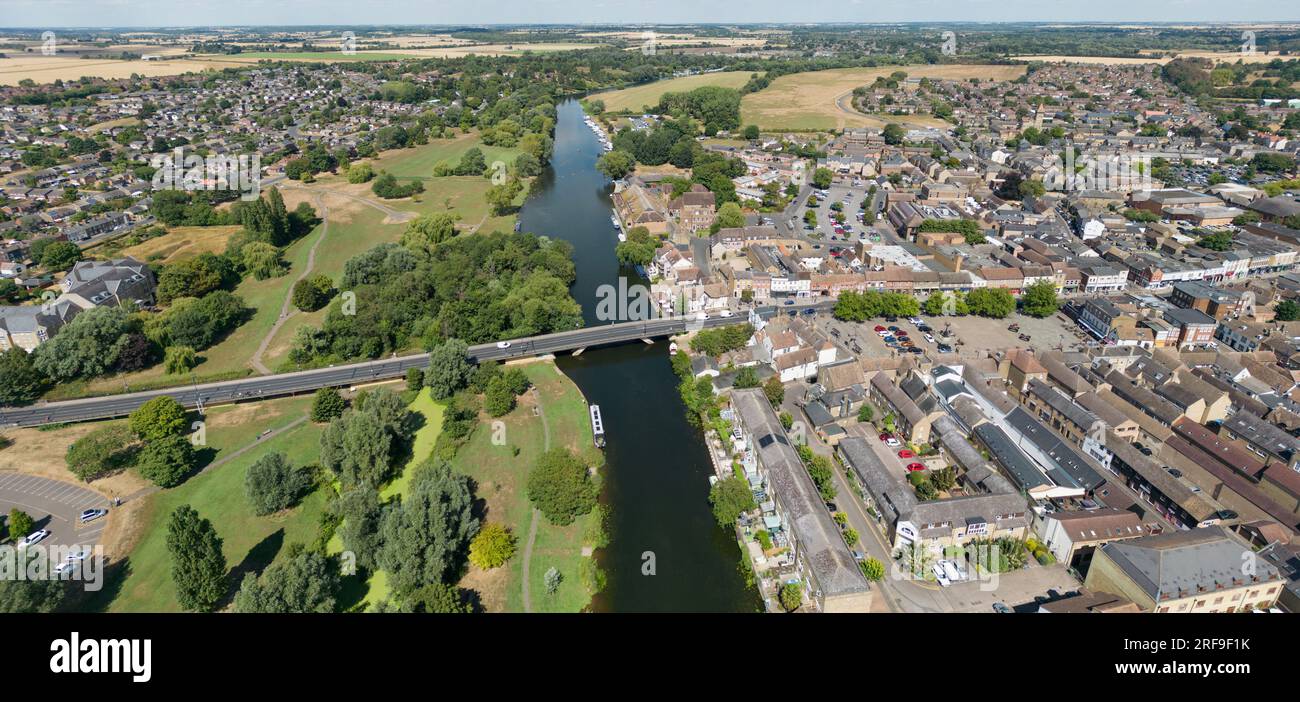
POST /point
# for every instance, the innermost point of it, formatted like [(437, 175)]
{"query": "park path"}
[(224, 459), (532, 526), (286, 309)]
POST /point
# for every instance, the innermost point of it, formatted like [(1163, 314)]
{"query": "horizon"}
[(169, 14)]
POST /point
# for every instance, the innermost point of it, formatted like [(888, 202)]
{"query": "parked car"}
[(726, 313), (944, 348), (859, 556), (1002, 609), (941, 576), (906, 453), (789, 302), (929, 338), (34, 538), (915, 467), (91, 515), (891, 442), (880, 329)]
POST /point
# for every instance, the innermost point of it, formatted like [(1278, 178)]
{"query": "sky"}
[(180, 13)]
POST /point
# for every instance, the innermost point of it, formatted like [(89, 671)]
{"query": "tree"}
[(747, 377), (60, 255), (560, 487), (158, 418), (327, 404), (102, 452), (792, 594), (873, 570), (1039, 299), (894, 134), (993, 302), (311, 293), (865, 413), (729, 217), (822, 178), (20, 382), (135, 352), (493, 546), (198, 565), (1216, 241), (730, 498), (414, 379), (501, 198), (32, 596), (262, 260), (20, 524), (427, 231), (85, 347), (552, 580), (425, 536), (179, 359), (360, 173), (436, 598), (272, 483), (306, 582), (449, 369), (361, 512), (615, 164), (774, 391), (750, 132), (166, 461), (499, 399), (1287, 311), (357, 449)]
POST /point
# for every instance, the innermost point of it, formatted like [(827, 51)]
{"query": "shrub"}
[(560, 487), (272, 484), (326, 405), (492, 547)]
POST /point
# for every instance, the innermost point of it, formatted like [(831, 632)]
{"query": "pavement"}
[(56, 506)]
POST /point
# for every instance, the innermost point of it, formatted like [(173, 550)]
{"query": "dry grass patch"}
[(181, 243)]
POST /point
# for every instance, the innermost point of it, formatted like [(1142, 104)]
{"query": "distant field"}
[(1216, 56), (182, 243), (634, 99), (47, 69), (820, 99), (420, 161), (394, 54)]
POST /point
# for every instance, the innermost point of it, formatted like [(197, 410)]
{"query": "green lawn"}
[(249, 542), (502, 482), (420, 161), (636, 98)]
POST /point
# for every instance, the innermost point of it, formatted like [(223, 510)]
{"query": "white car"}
[(503, 344), (914, 320), (950, 570), (941, 576), (891, 442), (91, 515), (702, 316), (34, 538), (726, 313), (928, 338)]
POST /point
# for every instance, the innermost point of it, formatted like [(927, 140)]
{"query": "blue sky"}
[(153, 13)]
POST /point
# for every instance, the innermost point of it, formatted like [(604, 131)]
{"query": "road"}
[(196, 395)]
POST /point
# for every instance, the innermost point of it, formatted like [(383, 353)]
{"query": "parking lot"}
[(839, 193), (861, 339), (55, 506), (982, 334), (1019, 590)]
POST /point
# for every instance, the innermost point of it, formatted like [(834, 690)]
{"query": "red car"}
[(905, 453), (885, 436), (914, 467), (901, 334), (880, 328)]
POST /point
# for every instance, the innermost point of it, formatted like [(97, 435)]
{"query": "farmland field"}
[(634, 99), (819, 99), (47, 69)]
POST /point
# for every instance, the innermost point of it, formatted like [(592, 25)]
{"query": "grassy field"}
[(502, 477), (250, 543), (420, 161), (636, 98), (819, 99), (47, 69), (181, 243)]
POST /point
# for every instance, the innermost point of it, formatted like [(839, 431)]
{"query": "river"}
[(657, 466)]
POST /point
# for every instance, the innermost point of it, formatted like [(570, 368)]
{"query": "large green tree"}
[(730, 498), (158, 418), (20, 382), (560, 486), (449, 369), (426, 535), (272, 484), (198, 565), (1039, 299), (305, 582)]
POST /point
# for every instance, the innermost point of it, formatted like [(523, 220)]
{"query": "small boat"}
[(672, 347), (621, 235), (614, 220), (597, 426)]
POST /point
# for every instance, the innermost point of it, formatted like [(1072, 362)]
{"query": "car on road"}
[(859, 556), (1002, 609), (810, 310), (832, 507), (789, 302), (906, 453), (726, 313), (503, 344), (915, 467), (702, 316), (91, 515), (34, 538)]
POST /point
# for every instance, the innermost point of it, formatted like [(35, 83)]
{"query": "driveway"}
[(55, 505)]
